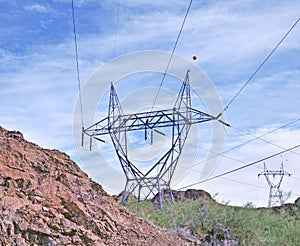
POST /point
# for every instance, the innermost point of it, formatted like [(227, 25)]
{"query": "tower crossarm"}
[(99, 128), (198, 116), (151, 120), (274, 173)]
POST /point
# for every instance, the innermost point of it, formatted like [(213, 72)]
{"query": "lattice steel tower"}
[(156, 181), (275, 194)]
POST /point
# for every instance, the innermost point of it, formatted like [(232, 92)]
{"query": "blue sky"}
[(231, 38)]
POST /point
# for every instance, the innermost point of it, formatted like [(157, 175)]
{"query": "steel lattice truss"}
[(275, 194), (156, 181)]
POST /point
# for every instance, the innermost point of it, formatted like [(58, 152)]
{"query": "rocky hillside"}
[(45, 199)]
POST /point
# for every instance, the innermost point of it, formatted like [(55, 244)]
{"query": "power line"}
[(255, 138), (237, 146), (244, 183), (218, 154), (251, 77), (260, 66), (239, 168), (240, 145), (253, 185), (170, 59), (77, 63), (210, 26), (260, 137), (293, 177)]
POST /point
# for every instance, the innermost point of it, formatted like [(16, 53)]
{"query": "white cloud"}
[(38, 8)]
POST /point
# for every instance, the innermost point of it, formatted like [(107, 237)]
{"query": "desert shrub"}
[(251, 226)]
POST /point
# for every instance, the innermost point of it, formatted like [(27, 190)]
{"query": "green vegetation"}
[(249, 226)]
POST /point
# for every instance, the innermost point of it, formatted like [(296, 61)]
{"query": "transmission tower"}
[(156, 181), (275, 194)]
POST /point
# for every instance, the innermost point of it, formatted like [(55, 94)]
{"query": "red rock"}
[(45, 199)]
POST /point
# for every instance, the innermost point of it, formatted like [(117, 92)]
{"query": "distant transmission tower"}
[(275, 194), (156, 181)]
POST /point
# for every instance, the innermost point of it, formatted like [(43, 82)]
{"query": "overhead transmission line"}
[(242, 144), (77, 63), (239, 145), (239, 168), (231, 101), (244, 183), (259, 67), (237, 160), (260, 138), (202, 43), (171, 56), (253, 185)]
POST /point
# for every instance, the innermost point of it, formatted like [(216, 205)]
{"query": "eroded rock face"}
[(45, 199)]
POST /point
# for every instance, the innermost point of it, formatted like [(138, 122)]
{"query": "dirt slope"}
[(45, 199)]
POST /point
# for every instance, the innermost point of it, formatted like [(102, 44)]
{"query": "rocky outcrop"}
[(183, 196), (45, 199), (191, 195)]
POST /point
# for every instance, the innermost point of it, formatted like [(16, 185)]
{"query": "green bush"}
[(249, 225)]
